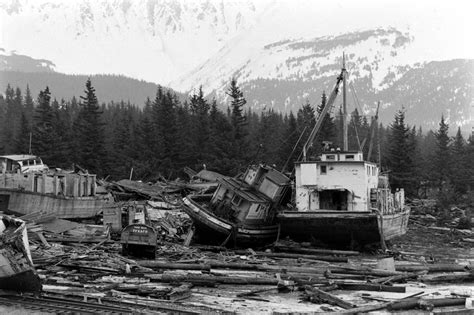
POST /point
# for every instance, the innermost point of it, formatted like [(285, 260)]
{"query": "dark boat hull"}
[(215, 230), (342, 228), (26, 281), (17, 272)]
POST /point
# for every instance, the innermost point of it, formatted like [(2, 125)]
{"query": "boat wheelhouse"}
[(242, 209), (22, 163)]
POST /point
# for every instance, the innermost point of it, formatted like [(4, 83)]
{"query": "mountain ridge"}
[(398, 57)]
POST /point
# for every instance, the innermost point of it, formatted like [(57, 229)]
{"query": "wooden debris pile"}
[(46, 227), (426, 212), (171, 222), (205, 278)]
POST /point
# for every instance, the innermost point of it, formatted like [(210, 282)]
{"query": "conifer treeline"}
[(167, 135)]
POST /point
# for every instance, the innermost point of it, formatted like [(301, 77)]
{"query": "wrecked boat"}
[(242, 210), (342, 198), (17, 272), (26, 186)]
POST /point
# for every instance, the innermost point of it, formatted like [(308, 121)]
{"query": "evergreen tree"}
[(23, 139), (29, 107), (459, 174), (164, 117), (61, 135), (442, 158), (305, 121), (145, 134), (269, 138), (354, 131), (12, 116), (43, 130), (400, 155), (240, 142), (89, 129), (327, 132), (201, 128), (3, 110), (288, 149), (237, 103), (469, 157), (222, 160)]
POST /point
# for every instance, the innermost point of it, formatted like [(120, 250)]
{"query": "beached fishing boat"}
[(17, 272), (242, 210), (341, 198), (27, 186)]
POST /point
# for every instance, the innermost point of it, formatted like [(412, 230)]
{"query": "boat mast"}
[(344, 108)]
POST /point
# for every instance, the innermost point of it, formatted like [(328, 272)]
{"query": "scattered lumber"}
[(398, 278), (200, 278), (167, 265), (370, 287), (431, 267), (319, 296), (314, 251), (295, 256), (446, 277), (426, 304)]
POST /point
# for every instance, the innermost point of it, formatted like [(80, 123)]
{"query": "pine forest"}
[(118, 140)]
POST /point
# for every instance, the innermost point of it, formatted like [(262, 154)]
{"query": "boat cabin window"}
[(349, 157), (323, 169), (269, 189), (236, 200), (331, 157)]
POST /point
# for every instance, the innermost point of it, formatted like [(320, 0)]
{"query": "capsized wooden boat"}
[(17, 272), (242, 210), (216, 230)]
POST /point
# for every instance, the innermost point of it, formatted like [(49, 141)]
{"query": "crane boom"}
[(326, 109)]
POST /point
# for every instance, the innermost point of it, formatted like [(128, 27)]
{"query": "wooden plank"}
[(200, 278), (170, 265), (325, 297), (371, 287), (295, 256), (419, 302), (315, 251), (42, 239)]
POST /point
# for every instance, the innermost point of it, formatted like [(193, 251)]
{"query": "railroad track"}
[(61, 305)]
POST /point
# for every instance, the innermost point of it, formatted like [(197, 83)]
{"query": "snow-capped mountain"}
[(152, 40), (283, 52)]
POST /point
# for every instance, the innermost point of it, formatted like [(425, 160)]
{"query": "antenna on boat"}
[(344, 106)]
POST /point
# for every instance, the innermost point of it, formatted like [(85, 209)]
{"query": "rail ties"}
[(62, 305)]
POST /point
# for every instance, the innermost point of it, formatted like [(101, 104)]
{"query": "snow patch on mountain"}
[(153, 40)]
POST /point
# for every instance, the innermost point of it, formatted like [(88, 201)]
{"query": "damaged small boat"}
[(242, 210), (27, 185), (17, 272), (340, 197)]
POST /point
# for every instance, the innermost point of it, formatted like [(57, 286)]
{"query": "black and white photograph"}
[(236, 157)]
